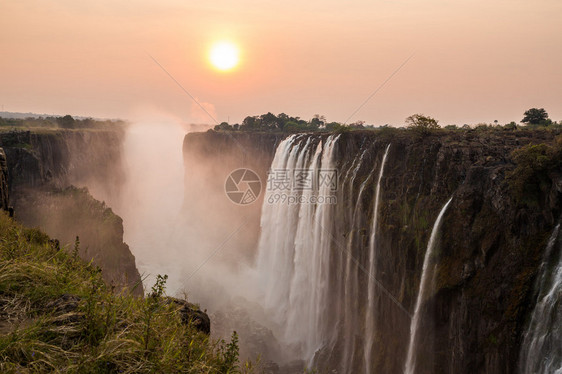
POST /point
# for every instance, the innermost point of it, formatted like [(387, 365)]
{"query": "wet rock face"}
[(490, 245)]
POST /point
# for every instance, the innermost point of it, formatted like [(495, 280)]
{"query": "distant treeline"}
[(65, 122), (282, 122)]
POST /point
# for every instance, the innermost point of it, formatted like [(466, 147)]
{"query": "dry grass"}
[(57, 315)]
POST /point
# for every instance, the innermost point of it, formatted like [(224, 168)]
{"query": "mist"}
[(179, 221), (152, 195)]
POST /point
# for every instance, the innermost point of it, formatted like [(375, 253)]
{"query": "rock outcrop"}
[(192, 315)]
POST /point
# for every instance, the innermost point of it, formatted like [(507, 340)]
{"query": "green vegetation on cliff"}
[(50, 123), (419, 123), (535, 165), (57, 315), (282, 122)]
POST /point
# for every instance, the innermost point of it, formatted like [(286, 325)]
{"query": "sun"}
[(224, 56)]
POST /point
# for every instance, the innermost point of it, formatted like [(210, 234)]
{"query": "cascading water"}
[(350, 287), (424, 286), (318, 296), (541, 351), (322, 295), (369, 320), (294, 245)]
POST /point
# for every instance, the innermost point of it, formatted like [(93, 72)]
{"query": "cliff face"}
[(59, 158), (3, 181), (42, 168), (73, 213), (490, 243)]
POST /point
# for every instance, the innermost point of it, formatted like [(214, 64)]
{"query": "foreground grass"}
[(57, 315)]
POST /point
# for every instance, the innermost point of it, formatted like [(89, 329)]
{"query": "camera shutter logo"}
[(243, 186)]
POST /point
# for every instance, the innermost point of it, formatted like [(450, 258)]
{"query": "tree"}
[(250, 123), (535, 116), (292, 126), (268, 121), (223, 126), (318, 121), (66, 122), (333, 126), (358, 124), (422, 124), (282, 120)]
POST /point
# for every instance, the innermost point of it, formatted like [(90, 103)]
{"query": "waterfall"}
[(424, 285), (350, 287), (541, 351), (278, 227), (369, 315), (293, 250)]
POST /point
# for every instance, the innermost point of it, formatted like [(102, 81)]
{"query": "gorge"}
[(426, 254)]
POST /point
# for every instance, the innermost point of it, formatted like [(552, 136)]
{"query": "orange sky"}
[(474, 60)]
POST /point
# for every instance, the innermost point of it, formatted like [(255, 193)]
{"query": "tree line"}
[(62, 122), (282, 122)]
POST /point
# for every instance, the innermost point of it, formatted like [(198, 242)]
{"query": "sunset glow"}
[(473, 61), (224, 56)]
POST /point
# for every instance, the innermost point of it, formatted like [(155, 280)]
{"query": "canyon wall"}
[(43, 166), (488, 253)]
